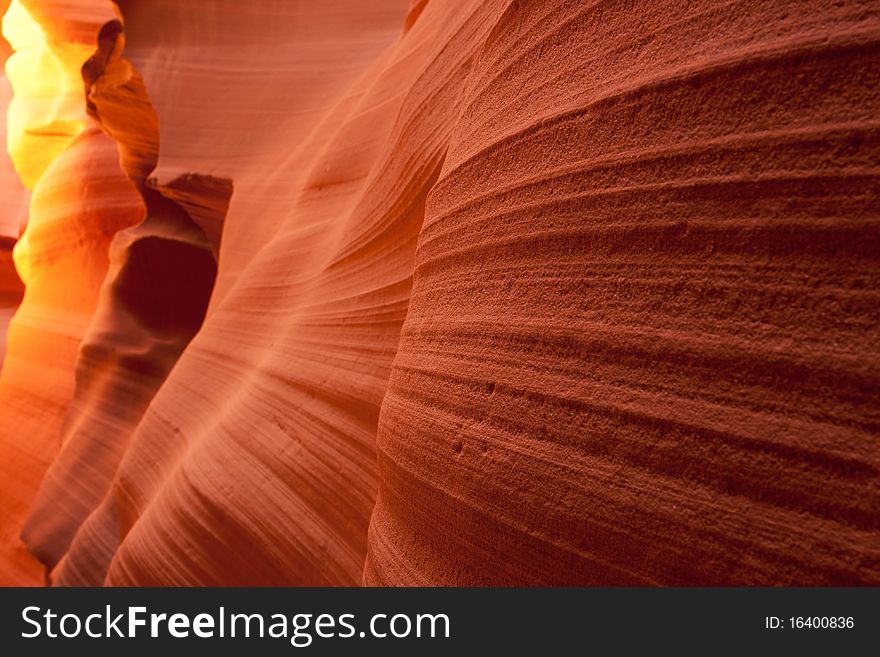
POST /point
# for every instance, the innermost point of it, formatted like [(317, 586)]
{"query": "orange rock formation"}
[(433, 292)]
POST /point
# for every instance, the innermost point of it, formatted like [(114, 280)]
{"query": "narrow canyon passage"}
[(440, 293)]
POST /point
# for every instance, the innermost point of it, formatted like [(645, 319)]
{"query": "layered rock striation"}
[(446, 293)]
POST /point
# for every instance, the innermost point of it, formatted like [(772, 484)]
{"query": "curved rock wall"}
[(507, 293), (642, 341)]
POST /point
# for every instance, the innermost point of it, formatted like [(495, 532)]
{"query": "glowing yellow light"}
[(19, 29), (47, 110), (21, 259), (48, 106)]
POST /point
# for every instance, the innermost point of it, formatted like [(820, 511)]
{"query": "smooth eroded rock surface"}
[(447, 293)]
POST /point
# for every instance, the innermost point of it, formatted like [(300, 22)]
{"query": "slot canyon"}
[(440, 293)]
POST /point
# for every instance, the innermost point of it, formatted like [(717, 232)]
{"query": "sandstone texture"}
[(483, 292)]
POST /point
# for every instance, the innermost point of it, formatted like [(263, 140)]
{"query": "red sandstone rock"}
[(539, 292), (71, 224), (13, 213), (641, 346)]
